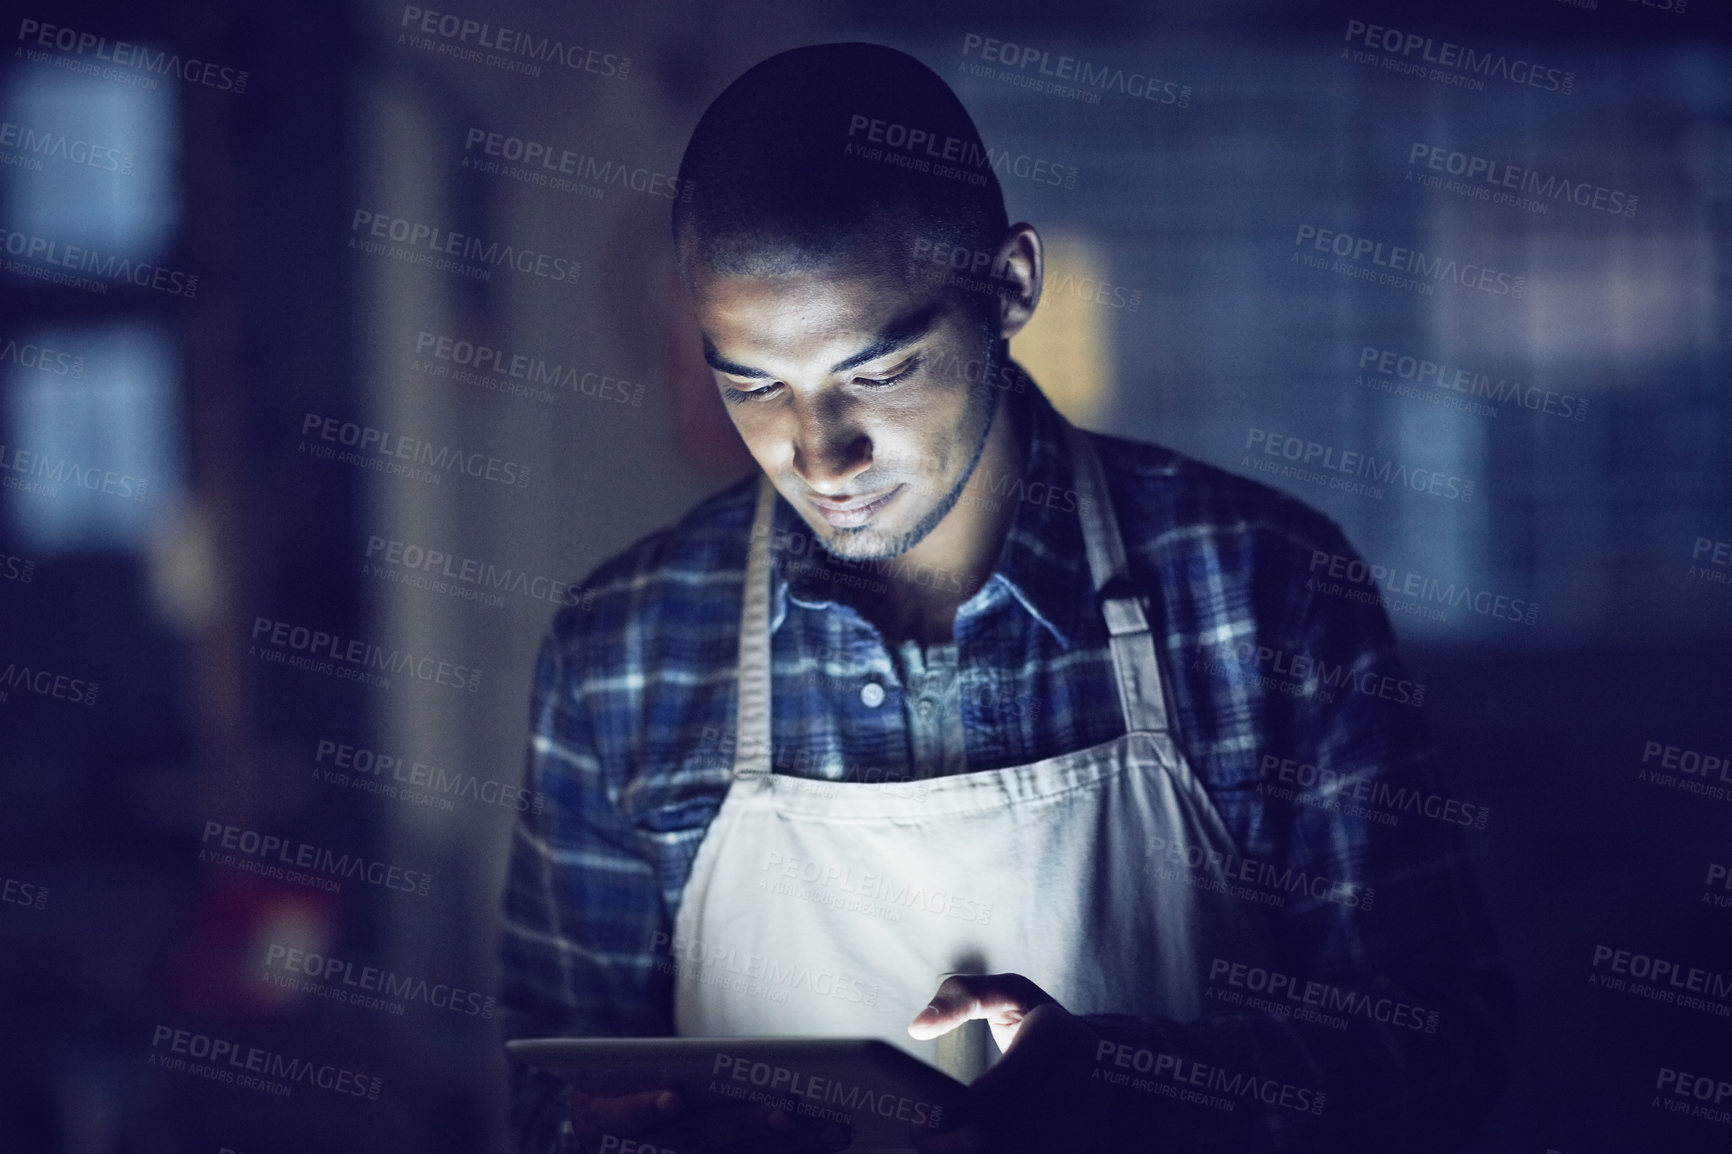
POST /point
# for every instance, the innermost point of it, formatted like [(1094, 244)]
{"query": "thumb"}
[(941, 1016)]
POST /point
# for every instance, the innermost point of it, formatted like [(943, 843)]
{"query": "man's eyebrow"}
[(722, 365), (902, 331)]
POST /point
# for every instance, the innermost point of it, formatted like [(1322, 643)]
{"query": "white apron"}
[(835, 909)]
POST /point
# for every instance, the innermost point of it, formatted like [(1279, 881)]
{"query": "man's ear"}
[(1019, 266)]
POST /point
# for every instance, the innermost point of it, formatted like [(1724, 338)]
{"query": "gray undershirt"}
[(932, 705)]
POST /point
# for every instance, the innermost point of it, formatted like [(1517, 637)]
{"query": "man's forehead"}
[(809, 311), (838, 291)]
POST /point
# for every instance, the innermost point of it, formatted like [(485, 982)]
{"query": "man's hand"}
[(1004, 1000), (1038, 1096), (659, 1121)]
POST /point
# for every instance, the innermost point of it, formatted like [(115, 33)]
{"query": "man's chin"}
[(896, 529), (867, 543)]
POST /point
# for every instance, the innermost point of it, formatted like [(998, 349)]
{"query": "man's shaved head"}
[(816, 148), (864, 378)]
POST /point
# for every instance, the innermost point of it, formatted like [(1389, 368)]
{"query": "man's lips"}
[(855, 511)]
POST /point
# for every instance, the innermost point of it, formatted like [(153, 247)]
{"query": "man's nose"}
[(829, 449)]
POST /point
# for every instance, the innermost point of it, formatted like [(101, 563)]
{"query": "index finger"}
[(1002, 999)]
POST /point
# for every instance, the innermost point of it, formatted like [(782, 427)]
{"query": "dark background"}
[(1196, 207)]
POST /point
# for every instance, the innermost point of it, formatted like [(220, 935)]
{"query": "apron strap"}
[(752, 713), (1141, 691)]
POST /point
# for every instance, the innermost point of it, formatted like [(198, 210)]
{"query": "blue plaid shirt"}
[(1291, 707)]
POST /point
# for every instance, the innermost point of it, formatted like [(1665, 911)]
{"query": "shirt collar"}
[(1042, 566)]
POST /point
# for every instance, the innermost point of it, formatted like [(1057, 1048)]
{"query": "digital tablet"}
[(869, 1085)]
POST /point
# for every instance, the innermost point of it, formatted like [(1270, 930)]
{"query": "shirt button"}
[(926, 708), (872, 695)]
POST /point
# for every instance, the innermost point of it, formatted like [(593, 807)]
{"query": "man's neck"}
[(924, 587)]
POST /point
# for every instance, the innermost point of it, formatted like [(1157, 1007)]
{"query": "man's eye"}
[(759, 394), (907, 370)]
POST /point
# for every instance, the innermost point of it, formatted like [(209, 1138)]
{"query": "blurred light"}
[(134, 212), (90, 440), (1445, 533), (1642, 295), (1065, 346), (184, 580), (285, 924)]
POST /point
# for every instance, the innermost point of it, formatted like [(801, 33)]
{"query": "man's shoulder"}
[(1167, 500), (673, 577)]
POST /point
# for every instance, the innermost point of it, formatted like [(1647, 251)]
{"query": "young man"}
[(958, 713)]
